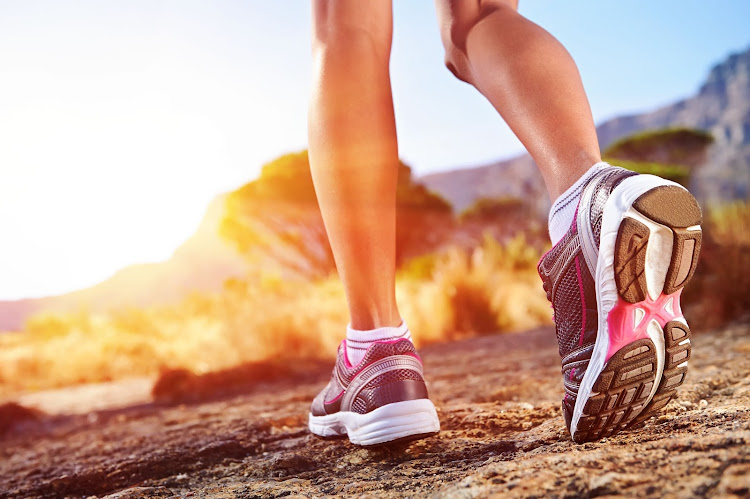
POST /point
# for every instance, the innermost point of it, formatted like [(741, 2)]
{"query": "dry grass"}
[(720, 291), (462, 293), (445, 296)]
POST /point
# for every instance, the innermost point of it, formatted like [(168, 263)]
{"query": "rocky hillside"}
[(512, 178), (721, 107)]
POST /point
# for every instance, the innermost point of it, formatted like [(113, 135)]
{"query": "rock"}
[(138, 492), (236, 448), (614, 483), (735, 481), (13, 414)]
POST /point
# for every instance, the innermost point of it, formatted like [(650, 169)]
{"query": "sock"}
[(564, 208), (357, 342)]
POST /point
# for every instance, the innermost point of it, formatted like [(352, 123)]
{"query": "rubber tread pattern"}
[(630, 260), (675, 208), (686, 248), (619, 398), (675, 332), (670, 205)]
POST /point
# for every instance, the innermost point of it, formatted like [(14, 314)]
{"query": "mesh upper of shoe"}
[(377, 351), (607, 181), (572, 291), (367, 399), (344, 374)]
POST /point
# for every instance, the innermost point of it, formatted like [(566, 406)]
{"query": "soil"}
[(502, 433)]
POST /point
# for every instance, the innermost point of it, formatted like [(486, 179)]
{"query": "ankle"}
[(390, 317), (564, 175), (562, 212), (358, 341)]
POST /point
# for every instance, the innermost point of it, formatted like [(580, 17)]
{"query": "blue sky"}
[(120, 121)]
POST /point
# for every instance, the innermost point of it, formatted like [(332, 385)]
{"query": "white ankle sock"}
[(564, 208), (357, 342)]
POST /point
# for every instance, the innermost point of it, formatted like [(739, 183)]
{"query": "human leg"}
[(629, 243), (377, 392), (529, 78), (354, 154)]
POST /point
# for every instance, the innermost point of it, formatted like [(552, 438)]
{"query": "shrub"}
[(720, 290), (675, 173), (676, 146), (491, 288), (456, 293)]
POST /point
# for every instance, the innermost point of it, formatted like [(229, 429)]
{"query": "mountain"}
[(721, 107), (512, 178)]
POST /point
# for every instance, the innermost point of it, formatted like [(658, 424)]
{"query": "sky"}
[(120, 121)]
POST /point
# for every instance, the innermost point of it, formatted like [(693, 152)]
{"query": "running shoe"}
[(381, 400), (615, 281)]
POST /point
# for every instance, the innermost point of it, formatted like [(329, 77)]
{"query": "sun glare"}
[(114, 139), (97, 176)]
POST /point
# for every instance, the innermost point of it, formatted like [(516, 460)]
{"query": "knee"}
[(354, 39), (456, 58), (455, 32)]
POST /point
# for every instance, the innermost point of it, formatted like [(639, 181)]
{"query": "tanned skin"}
[(525, 73)]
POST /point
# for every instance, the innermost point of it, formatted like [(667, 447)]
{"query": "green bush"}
[(675, 173), (677, 146)]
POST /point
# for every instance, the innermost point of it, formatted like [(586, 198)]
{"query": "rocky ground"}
[(502, 433)]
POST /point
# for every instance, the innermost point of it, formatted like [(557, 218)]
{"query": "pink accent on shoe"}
[(415, 355), (621, 320), (583, 301), (573, 226), (390, 341), (334, 398), (346, 356), (583, 308)]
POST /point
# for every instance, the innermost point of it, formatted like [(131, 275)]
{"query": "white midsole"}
[(384, 424), (619, 203)]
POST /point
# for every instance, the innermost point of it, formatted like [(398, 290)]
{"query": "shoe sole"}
[(650, 242), (390, 424)]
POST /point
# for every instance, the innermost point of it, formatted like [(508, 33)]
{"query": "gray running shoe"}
[(381, 400), (615, 281)]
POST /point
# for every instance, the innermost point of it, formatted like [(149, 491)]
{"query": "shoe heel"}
[(622, 391), (665, 223), (392, 423)]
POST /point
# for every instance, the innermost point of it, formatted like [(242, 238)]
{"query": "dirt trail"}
[(502, 433)]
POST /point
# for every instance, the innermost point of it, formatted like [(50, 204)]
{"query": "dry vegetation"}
[(448, 287), (445, 295), (720, 290), (452, 294)]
